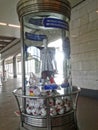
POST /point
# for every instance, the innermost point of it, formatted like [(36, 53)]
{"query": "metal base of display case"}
[(66, 121), (28, 127)]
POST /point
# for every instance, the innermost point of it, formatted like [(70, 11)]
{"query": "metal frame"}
[(70, 115), (34, 6)]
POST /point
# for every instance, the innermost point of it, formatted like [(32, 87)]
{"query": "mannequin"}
[(48, 62)]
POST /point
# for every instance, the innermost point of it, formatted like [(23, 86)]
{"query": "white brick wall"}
[(84, 44)]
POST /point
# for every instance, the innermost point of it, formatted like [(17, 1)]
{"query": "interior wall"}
[(84, 44)]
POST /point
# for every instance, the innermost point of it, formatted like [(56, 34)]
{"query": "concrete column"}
[(14, 67), (3, 68)]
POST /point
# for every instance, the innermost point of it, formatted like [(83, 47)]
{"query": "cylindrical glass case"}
[(47, 94)]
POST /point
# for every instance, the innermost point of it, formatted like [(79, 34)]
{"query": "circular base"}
[(27, 127), (60, 122)]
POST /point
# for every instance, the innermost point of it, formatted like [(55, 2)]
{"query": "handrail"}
[(78, 89)]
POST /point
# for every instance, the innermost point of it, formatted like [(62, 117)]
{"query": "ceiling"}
[(5, 40), (75, 2), (8, 18)]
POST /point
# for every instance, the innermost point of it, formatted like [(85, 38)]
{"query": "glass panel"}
[(47, 58), (46, 45)]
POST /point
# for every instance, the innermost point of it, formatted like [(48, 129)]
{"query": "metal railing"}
[(67, 120)]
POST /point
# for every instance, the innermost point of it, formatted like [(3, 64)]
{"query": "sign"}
[(55, 23), (34, 37), (50, 23), (37, 22)]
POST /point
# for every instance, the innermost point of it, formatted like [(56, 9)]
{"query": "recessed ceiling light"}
[(96, 11), (3, 24), (73, 35), (13, 25), (2, 40)]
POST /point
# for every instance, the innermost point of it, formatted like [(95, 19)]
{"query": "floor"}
[(87, 111)]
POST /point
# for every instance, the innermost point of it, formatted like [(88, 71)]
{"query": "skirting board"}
[(89, 93)]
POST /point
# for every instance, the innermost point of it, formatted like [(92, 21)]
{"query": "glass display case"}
[(47, 96)]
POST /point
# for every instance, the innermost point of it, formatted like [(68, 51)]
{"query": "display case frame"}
[(39, 19), (67, 121)]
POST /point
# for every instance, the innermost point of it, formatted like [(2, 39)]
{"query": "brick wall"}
[(84, 44)]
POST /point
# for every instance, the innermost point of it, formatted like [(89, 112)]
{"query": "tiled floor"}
[(88, 113), (8, 120), (87, 109)]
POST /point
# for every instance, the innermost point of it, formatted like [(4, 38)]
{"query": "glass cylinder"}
[(45, 47)]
